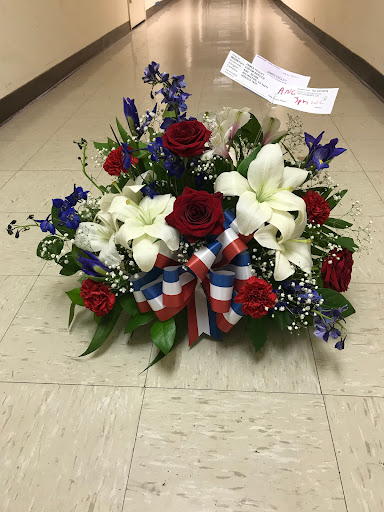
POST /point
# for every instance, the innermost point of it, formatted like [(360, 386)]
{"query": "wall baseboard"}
[(157, 7), (21, 97), (364, 71)]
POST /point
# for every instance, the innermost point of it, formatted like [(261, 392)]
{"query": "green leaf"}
[(141, 319), (333, 202), (169, 113), (50, 245), (101, 146), (347, 243), (244, 165), (163, 334), (337, 223), (123, 133), (97, 319), (71, 313), (128, 303), (103, 330), (75, 297), (252, 130), (258, 330), (282, 319), (334, 299), (158, 358)]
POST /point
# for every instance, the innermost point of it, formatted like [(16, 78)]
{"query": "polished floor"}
[(298, 427)]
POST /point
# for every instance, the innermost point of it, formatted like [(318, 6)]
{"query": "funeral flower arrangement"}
[(206, 222)]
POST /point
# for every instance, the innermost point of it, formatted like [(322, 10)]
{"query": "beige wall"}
[(357, 24), (37, 34)]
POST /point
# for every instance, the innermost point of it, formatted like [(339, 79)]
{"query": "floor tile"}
[(360, 189), (20, 193), (369, 263), (31, 126), (346, 162), (361, 127), (368, 153), (14, 154), (284, 364), (5, 176), (90, 128), (66, 447), (377, 180), (14, 289), (359, 449), (358, 369), (358, 106), (59, 155), (19, 255), (38, 346), (243, 452)]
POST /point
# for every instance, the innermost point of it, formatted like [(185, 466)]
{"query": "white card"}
[(306, 99), (314, 101), (282, 75)]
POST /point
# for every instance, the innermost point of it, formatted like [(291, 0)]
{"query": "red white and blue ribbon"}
[(207, 284)]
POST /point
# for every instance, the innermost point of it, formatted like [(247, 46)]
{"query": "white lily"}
[(100, 236), (224, 126), (130, 191), (289, 249), (270, 127), (145, 227), (266, 194)]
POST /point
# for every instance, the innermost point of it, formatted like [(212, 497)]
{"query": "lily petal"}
[(283, 268), (266, 237), (122, 210), (92, 237), (266, 171), (145, 250), (293, 177), (299, 253), (286, 201), (109, 255), (168, 234), (162, 204), (284, 222), (300, 223), (250, 214), (129, 232), (231, 184)]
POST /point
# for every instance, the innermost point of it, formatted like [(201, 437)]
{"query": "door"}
[(136, 12)]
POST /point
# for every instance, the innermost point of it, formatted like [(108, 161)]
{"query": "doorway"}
[(136, 9)]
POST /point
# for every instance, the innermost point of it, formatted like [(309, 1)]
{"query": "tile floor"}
[(298, 427)]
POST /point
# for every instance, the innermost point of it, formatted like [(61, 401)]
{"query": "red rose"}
[(187, 138), (97, 297), (318, 209), (256, 297), (114, 162), (197, 214), (337, 269)]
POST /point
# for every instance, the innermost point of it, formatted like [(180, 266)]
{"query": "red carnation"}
[(97, 297), (337, 269), (256, 297), (114, 163), (197, 214), (186, 138), (318, 209)]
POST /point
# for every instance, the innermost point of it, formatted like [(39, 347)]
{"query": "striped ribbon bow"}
[(207, 284)]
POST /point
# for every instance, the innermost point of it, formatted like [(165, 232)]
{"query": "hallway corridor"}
[(297, 427)]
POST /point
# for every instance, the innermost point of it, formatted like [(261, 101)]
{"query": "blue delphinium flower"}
[(174, 166), (149, 190), (77, 195), (325, 323), (157, 150), (340, 344), (70, 218), (131, 115), (46, 225), (150, 73), (91, 265)]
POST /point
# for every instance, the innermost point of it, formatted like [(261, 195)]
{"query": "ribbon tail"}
[(201, 317)]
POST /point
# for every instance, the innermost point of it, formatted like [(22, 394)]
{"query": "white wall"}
[(357, 24), (37, 34), (150, 3)]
